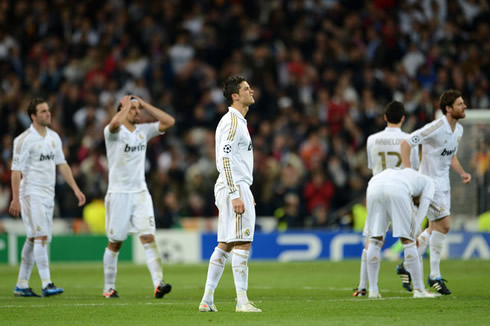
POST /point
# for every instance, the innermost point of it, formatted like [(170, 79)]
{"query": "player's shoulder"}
[(27, 133), (433, 127), (53, 134), (378, 134), (226, 120), (459, 127)]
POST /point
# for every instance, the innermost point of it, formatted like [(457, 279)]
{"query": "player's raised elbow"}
[(167, 123)]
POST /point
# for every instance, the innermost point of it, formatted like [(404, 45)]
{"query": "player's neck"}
[(394, 125), (452, 121), (130, 126), (243, 109), (42, 130)]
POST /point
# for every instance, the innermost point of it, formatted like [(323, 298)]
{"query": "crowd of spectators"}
[(322, 72)]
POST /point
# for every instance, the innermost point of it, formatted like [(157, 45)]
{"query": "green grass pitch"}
[(311, 293)]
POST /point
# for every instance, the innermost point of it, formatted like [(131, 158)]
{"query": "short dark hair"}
[(232, 86), (394, 112), (32, 108), (447, 99)]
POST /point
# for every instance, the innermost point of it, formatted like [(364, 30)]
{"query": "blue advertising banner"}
[(304, 245)]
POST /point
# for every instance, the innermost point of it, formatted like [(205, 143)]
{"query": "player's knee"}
[(147, 238), (114, 246)]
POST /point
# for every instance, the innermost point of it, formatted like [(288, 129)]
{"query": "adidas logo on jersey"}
[(46, 157), (128, 148), (445, 152)]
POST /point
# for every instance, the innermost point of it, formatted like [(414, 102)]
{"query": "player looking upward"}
[(235, 202)]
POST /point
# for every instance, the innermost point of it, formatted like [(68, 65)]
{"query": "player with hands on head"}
[(129, 206), (36, 154)]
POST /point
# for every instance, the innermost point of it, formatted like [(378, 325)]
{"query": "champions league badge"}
[(415, 139)]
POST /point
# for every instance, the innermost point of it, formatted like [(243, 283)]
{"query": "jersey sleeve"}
[(20, 154), (151, 129), (369, 146), (415, 158), (59, 156), (425, 133), (426, 197), (228, 149), (109, 136)]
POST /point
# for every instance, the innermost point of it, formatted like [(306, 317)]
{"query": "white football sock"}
[(110, 269), (26, 264), (412, 262), (364, 273), (436, 244), (42, 261), (215, 270), (239, 263), (423, 240), (373, 263), (154, 262)]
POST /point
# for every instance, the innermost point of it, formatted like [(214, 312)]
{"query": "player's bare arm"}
[(120, 116), (465, 177), (166, 120), (14, 208), (65, 171), (405, 150)]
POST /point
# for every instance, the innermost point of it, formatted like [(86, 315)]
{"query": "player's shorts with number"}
[(233, 227), (37, 215), (440, 206), (128, 213)]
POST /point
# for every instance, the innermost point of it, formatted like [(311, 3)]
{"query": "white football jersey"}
[(36, 158), (439, 145), (415, 182), (383, 150), (126, 154), (234, 152), (412, 183)]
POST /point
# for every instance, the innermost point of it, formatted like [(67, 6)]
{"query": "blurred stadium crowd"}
[(322, 71)]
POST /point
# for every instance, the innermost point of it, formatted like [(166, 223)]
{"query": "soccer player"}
[(37, 153), (235, 202), (440, 140), (389, 199), (383, 151), (129, 207)]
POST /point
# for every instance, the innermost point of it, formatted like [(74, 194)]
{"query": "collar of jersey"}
[(37, 132), (131, 132), (237, 113), (392, 129), (448, 127)]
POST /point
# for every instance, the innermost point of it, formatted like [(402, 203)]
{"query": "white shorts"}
[(440, 206), (387, 203), (37, 215), (233, 227), (128, 213)]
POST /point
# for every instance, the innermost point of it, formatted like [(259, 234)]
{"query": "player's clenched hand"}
[(14, 208), (238, 205), (465, 178)]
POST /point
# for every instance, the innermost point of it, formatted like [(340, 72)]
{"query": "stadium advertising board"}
[(296, 246)]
